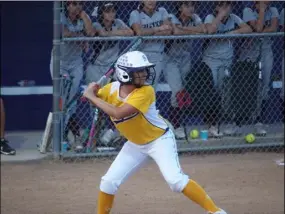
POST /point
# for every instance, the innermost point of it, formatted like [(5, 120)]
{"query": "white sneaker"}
[(214, 132), (179, 133), (108, 136), (232, 130), (259, 129), (218, 212)]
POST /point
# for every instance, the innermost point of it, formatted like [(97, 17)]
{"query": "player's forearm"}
[(67, 33), (89, 29), (163, 33), (147, 31), (120, 32), (189, 30), (270, 29), (259, 23), (213, 27), (243, 29)]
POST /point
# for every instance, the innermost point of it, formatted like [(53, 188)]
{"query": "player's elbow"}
[(211, 29), (272, 29), (138, 33), (130, 32), (259, 29), (90, 33), (118, 114), (246, 29)]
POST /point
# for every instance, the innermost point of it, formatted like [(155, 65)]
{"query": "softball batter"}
[(178, 56), (148, 20), (130, 103), (218, 54), (262, 18), (106, 52)]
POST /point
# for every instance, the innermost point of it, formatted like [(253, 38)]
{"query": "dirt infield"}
[(240, 183)]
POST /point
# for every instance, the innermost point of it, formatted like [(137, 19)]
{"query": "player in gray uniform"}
[(105, 52), (281, 23), (148, 20), (75, 23), (218, 54), (178, 56), (262, 18)]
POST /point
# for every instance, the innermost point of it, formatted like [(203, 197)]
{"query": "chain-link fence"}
[(218, 84)]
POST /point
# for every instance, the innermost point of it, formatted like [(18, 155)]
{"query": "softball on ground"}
[(194, 134), (250, 138)]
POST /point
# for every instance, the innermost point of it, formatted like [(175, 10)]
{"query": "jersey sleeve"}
[(237, 19), (97, 26), (209, 19), (198, 20), (248, 15), (142, 98), (134, 18), (274, 12), (104, 92), (164, 13), (120, 24), (173, 19)]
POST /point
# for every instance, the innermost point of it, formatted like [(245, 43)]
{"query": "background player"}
[(148, 20), (75, 23), (262, 18), (106, 52), (178, 57), (130, 103), (6, 149), (218, 53)]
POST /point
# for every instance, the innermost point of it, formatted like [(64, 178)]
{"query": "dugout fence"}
[(240, 100)]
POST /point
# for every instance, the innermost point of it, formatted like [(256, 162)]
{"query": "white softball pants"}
[(132, 156), (267, 59), (219, 69)]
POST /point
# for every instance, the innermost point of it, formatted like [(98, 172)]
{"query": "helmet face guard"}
[(131, 74)]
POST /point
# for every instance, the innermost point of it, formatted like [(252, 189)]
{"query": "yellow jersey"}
[(142, 127)]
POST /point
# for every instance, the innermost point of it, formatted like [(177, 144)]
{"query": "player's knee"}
[(178, 183), (109, 186)]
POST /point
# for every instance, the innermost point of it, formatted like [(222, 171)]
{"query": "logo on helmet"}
[(144, 58)]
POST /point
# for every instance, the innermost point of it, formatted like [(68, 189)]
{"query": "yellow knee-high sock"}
[(105, 202), (197, 194)]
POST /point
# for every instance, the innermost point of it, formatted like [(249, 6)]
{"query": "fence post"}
[(56, 79)]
